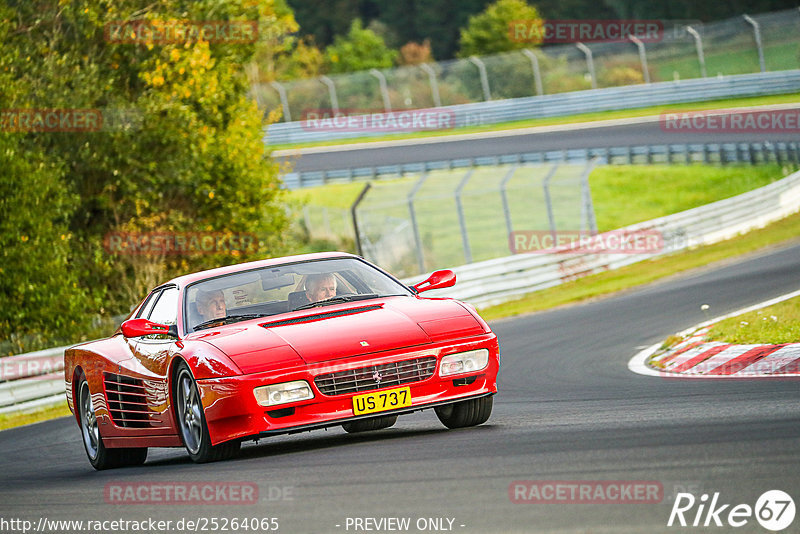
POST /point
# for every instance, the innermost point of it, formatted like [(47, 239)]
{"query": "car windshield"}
[(283, 288)]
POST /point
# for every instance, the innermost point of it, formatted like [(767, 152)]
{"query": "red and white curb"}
[(695, 358)]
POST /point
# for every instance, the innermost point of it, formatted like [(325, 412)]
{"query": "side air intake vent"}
[(127, 401)]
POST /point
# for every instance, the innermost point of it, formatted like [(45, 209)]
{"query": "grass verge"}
[(12, 420), (571, 119), (776, 324), (602, 284), (621, 194)]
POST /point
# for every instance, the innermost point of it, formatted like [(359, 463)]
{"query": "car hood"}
[(345, 330)]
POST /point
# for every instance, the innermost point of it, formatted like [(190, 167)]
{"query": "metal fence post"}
[(551, 219), (387, 106), (487, 95), (461, 220), (353, 209), (757, 35), (537, 75), (504, 197), (642, 57), (434, 84), (589, 62), (331, 92), (415, 229), (287, 116), (587, 206), (768, 148), (698, 43)]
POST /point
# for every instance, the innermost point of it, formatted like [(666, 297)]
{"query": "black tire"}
[(372, 423), (465, 413), (99, 455), (191, 421)]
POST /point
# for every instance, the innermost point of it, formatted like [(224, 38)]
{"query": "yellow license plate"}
[(380, 401)]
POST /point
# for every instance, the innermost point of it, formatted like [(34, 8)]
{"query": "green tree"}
[(576, 9), (281, 53), (192, 159), (325, 19), (488, 32), (360, 49), (38, 286), (439, 21)]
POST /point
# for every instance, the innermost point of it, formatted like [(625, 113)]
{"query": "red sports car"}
[(284, 345)]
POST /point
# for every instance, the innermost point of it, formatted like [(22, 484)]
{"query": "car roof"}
[(183, 281)]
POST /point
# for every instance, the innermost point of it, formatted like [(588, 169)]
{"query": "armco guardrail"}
[(562, 104), (722, 153), (499, 280), (31, 380), (34, 379)]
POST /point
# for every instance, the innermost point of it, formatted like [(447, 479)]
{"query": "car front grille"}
[(376, 376)]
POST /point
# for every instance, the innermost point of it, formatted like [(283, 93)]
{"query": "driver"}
[(320, 287), (211, 305)]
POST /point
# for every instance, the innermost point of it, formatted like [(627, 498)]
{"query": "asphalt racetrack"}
[(515, 142), (568, 410)]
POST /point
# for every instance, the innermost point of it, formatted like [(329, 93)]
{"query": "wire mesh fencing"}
[(683, 50), (443, 218)]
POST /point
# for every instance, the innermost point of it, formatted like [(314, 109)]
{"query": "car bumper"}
[(232, 412)]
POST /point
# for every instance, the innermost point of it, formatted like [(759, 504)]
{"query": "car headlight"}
[(283, 393), (464, 362)]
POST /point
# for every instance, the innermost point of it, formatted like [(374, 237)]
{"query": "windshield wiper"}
[(336, 300), (229, 319)]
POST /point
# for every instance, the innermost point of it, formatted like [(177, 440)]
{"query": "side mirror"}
[(143, 327), (437, 280)]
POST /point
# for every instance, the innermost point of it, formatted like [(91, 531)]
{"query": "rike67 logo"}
[(774, 510)]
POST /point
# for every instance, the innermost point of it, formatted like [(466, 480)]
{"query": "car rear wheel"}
[(465, 413), (372, 423), (192, 422), (99, 455)]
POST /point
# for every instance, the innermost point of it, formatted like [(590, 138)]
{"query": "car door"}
[(152, 354)]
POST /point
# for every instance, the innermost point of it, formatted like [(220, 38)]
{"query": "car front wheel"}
[(192, 421), (470, 412)]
